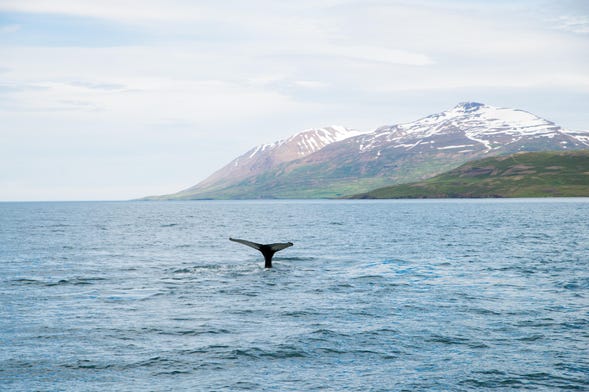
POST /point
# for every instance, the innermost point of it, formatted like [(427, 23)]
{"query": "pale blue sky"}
[(121, 99)]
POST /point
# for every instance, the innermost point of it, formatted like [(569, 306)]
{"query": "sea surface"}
[(444, 295)]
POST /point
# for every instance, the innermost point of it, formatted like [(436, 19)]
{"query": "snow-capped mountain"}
[(336, 161), (582, 136), (298, 145), (473, 127), (428, 146), (265, 157)]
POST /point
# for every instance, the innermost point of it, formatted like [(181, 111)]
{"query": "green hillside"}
[(533, 174)]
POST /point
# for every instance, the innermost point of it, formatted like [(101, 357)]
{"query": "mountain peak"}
[(469, 106), (471, 128), (265, 157), (305, 142)]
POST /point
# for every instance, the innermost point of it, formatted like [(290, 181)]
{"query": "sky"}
[(116, 100)]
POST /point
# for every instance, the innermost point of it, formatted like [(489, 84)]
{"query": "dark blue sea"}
[(446, 295)]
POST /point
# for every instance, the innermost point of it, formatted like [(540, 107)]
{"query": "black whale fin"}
[(248, 243), (267, 250)]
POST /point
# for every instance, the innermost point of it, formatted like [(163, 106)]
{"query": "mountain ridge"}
[(389, 155), (264, 157)]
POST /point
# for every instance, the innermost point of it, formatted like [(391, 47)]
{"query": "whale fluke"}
[(267, 250)]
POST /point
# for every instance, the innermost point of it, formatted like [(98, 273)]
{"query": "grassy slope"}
[(535, 174), (319, 181)]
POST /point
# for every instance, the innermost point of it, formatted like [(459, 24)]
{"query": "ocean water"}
[(447, 295)]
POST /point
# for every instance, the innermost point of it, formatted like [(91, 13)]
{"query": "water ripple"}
[(465, 295)]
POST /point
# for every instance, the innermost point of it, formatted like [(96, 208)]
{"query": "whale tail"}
[(267, 250)]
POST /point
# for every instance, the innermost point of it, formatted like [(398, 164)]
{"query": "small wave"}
[(196, 332), (285, 351), (298, 313), (280, 352), (77, 281), (159, 362), (493, 372), (169, 225), (541, 323), (574, 284), (365, 351), (58, 228), (370, 277), (493, 379), (61, 282), (531, 338), (172, 372), (27, 281), (327, 335), (332, 350), (194, 269), (87, 364), (153, 295), (503, 382), (484, 312), (252, 353), (58, 225), (295, 258), (246, 386), (383, 331), (341, 287), (449, 340), (580, 324)]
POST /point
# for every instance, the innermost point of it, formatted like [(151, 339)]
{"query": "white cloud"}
[(120, 79), (266, 80), (367, 53), (573, 24), (129, 10), (146, 101), (10, 28), (310, 84)]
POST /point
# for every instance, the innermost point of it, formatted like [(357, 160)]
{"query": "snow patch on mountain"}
[(487, 126), (583, 136), (265, 157), (309, 140)]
